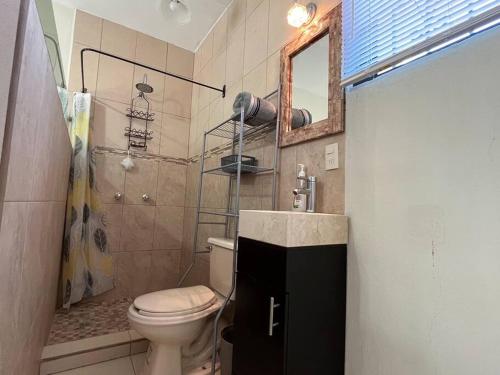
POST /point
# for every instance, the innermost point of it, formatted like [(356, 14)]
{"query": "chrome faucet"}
[(307, 186)]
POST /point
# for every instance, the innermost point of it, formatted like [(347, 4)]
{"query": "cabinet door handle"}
[(272, 324)]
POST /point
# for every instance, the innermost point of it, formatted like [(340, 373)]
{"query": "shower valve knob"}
[(145, 197), (118, 196)]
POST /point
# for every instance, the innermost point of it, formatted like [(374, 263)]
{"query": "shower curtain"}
[(87, 264)]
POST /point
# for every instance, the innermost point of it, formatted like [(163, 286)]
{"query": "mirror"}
[(311, 95), (310, 80)]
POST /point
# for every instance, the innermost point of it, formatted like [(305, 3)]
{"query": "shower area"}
[(139, 122)]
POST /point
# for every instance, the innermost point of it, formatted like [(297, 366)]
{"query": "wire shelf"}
[(247, 169), (230, 129)]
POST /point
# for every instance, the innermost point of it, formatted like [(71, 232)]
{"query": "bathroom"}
[(128, 204)]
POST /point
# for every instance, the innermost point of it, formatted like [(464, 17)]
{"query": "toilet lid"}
[(173, 302)]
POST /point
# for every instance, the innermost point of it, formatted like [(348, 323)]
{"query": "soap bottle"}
[(300, 199)]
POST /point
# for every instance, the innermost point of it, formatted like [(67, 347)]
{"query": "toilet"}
[(174, 318)]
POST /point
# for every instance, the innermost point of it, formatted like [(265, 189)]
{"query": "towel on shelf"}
[(257, 111)]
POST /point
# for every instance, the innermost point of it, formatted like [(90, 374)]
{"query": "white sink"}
[(293, 229)]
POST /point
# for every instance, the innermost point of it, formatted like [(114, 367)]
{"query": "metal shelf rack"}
[(238, 133)]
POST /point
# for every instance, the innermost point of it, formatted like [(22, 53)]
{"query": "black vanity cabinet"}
[(290, 309)]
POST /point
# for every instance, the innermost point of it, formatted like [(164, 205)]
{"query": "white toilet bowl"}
[(173, 318), (170, 330)]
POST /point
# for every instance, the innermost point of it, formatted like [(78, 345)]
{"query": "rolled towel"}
[(300, 118), (257, 111)]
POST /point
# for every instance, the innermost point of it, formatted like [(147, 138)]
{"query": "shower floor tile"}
[(89, 319)]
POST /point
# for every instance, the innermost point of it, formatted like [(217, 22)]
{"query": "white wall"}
[(423, 195), (65, 21)]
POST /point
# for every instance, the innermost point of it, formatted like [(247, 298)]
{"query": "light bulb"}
[(297, 15)]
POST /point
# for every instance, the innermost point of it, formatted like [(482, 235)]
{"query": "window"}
[(380, 35)]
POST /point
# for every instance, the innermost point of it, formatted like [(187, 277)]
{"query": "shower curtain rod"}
[(84, 89)]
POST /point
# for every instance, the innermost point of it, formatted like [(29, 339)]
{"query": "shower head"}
[(144, 88)]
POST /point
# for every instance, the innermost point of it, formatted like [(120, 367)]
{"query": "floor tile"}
[(121, 366)]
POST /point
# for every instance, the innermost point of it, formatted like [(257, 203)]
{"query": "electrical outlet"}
[(332, 156)]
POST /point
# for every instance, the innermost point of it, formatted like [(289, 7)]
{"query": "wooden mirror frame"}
[(330, 24)]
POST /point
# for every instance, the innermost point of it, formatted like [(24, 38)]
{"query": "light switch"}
[(332, 156)]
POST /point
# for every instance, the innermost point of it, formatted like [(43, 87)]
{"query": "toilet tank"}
[(221, 265)]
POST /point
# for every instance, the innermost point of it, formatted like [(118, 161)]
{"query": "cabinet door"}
[(259, 345)]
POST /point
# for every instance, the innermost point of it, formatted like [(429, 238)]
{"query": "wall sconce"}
[(301, 15)]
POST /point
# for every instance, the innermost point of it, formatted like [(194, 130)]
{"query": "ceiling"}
[(145, 16)]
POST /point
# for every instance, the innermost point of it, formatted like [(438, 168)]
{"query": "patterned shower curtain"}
[(87, 264)]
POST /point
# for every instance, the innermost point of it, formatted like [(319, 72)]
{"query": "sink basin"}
[(293, 229)]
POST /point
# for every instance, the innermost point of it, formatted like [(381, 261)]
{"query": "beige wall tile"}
[(251, 5), (91, 61), (180, 61), (255, 81), (109, 123), (113, 224), (220, 35), (330, 184), (174, 136), (118, 40), (235, 55), (232, 91), (168, 227), (110, 177), (113, 80), (140, 180), (206, 75), (151, 51), (171, 184), (87, 30), (132, 273), (165, 266), (137, 228), (177, 97), (218, 75), (236, 15), (206, 50), (288, 175), (256, 34), (273, 72)]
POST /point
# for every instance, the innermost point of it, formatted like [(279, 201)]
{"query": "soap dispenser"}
[(300, 200)]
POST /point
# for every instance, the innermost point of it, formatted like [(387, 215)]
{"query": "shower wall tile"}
[(206, 49), (137, 228), (118, 40), (113, 80), (110, 177), (91, 67), (109, 123), (180, 61), (88, 29), (273, 72), (168, 227), (177, 97), (165, 268), (171, 184), (174, 136), (132, 273), (151, 51), (140, 180), (113, 214)]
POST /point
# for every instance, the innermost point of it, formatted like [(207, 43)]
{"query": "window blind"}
[(377, 33)]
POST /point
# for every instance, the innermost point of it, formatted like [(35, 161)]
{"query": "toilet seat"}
[(167, 320), (175, 302)]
